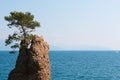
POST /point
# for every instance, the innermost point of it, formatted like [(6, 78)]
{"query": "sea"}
[(73, 65)]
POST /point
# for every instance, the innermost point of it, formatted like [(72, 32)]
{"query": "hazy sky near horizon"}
[(70, 24)]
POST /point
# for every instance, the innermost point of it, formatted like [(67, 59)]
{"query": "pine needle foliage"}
[(25, 24)]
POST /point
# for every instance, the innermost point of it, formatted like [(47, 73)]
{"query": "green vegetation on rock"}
[(25, 24)]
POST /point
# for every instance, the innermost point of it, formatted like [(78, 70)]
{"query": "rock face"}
[(32, 63)]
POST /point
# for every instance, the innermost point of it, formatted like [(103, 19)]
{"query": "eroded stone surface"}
[(33, 63)]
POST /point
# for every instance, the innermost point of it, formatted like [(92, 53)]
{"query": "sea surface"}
[(73, 65)]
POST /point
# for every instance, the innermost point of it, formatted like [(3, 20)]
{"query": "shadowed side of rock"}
[(33, 63)]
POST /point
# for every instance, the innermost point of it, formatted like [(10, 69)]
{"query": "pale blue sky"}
[(70, 24)]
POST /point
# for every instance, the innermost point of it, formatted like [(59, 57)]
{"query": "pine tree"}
[(25, 24)]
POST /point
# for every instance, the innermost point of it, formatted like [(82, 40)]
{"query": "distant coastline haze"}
[(70, 24)]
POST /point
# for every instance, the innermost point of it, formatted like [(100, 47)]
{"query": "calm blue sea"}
[(73, 65)]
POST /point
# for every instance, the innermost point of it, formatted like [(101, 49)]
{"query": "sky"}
[(70, 24)]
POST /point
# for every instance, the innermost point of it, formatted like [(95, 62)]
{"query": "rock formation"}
[(32, 63)]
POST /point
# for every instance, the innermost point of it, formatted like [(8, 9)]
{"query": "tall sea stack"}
[(32, 63)]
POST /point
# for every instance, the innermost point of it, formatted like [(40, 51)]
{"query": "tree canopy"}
[(25, 24)]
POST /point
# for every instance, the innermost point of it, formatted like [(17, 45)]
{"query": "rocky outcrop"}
[(32, 63)]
